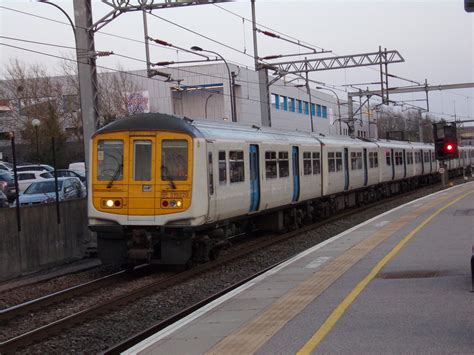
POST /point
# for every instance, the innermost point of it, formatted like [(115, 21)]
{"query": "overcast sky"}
[(435, 37)]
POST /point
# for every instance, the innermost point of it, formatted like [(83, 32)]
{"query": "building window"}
[(292, 104), (276, 101), (325, 111), (270, 165), (306, 108), (316, 163), (307, 164), (283, 165), (222, 168), (300, 106), (373, 160), (236, 166), (318, 109), (285, 103), (313, 109)]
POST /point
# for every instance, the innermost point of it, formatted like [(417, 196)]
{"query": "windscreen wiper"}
[(114, 177), (165, 169)]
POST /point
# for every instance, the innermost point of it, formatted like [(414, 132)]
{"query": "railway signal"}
[(445, 140)]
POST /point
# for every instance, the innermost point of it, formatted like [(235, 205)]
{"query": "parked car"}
[(34, 167), (78, 167), (43, 191), (6, 166), (7, 185), (71, 173), (25, 178), (3, 200)]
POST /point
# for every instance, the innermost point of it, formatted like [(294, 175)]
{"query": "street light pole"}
[(338, 106), (231, 87), (36, 122)]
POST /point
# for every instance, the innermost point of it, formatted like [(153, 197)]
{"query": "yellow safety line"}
[(318, 337)]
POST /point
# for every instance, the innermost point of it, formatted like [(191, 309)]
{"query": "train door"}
[(142, 186), (211, 181), (346, 169), (422, 158), (393, 163), (295, 157), (404, 163), (366, 173), (254, 178)]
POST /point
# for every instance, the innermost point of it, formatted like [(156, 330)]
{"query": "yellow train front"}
[(141, 190)]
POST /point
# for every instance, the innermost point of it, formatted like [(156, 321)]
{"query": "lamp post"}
[(36, 122), (338, 105), (231, 87)]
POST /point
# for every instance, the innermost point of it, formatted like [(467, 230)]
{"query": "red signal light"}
[(449, 148)]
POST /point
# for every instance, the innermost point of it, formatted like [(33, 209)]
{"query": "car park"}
[(7, 185), (35, 167), (26, 178), (43, 191), (78, 167)]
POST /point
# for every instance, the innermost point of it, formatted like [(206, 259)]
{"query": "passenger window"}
[(142, 160), (316, 163), (222, 168), (270, 165), (373, 160), (236, 166), (109, 160), (388, 158), (174, 160), (211, 174), (331, 162), (307, 164), (338, 161), (353, 161), (283, 165)]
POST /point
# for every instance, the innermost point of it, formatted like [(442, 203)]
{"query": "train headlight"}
[(179, 203), (109, 203)]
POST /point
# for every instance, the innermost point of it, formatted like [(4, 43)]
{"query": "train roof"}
[(150, 122), (215, 130)]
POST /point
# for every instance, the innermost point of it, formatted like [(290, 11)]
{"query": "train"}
[(174, 191)]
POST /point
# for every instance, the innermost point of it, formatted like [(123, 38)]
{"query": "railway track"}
[(102, 308)]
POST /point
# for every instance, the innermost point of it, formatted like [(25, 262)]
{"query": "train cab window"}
[(236, 166), (373, 159), (316, 163), (110, 160), (271, 165), (388, 158), (283, 164), (174, 160), (222, 168), (307, 164), (338, 161), (142, 160)]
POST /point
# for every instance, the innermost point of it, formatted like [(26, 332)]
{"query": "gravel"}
[(97, 335)]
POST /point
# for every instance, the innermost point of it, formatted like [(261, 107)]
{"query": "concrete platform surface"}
[(398, 283)]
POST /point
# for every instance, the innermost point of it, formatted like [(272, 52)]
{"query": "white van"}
[(79, 167)]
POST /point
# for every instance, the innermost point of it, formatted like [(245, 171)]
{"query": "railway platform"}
[(398, 283)]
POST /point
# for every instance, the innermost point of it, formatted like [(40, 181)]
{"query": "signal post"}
[(446, 146)]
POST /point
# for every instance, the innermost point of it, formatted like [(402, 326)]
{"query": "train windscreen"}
[(110, 160), (174, 160)]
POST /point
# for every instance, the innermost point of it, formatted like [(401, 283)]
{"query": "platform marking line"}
[(251, 336), (173, 328), (331, 321)]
